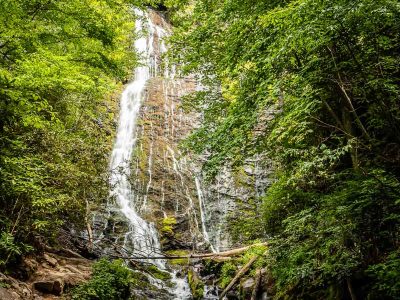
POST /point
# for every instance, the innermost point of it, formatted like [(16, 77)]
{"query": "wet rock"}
[(73, 245), (170, 229), (248, 170), (196, 284), (211, 292), (246, 287), (248, 284), (265, 296), (232, 295)]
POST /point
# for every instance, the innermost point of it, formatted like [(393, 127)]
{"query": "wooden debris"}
[(239, 274)]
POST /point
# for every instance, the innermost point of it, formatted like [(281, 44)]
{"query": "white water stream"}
[(203, 214), (142, 238)]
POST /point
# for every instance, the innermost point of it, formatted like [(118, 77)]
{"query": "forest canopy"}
[(314, 86), (60, 63)]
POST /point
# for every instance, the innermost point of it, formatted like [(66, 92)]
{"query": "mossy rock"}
[(178, 261), (142, 282), (196, 285), (167, 226), (158, 274)]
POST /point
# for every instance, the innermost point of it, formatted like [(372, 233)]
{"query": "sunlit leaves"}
[(60, 62), (313, 86)]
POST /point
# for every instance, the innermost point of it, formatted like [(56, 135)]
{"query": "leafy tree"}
[(313, 86), (60, 64)]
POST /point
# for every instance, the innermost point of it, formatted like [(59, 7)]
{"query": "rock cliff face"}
[(161, 177), (164, 178), (233, 195), (169, 184)]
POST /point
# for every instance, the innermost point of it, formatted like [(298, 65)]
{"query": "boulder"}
[(58, 287), (246, 287), (8, 295), (44, 286), (54, 287)]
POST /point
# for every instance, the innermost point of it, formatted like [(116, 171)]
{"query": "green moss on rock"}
[(157, 273), (178, 261), (196, 285), (167, 225)]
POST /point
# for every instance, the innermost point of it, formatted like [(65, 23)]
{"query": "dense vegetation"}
[(110, 280), (311, 85), (314, 86), (60, 63)]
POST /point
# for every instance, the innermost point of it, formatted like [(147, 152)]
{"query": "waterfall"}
[(203, 214), (141, 239)]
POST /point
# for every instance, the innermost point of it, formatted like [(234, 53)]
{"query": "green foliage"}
[(60, 64), (246, 221), (228, 271), (9, 249), (387, 276), (312, 86), (324, 238), (110, 281), (196, 285)]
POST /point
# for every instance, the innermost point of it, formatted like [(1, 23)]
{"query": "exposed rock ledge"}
[(45, 277)]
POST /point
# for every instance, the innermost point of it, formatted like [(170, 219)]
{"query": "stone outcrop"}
[(169, 183), (48, 276), (162, 177)]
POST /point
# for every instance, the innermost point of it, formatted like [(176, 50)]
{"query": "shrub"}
[(111, 280)]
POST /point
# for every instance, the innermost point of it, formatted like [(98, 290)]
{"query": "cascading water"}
[(142, 238), (203, 214), (151, 179)]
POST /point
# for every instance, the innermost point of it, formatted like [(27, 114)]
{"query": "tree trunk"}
[(351, 290), (88, 227), (239, 274), (347, 123)]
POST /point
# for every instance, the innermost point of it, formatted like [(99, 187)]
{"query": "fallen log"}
[(232, 252), (219, 259), (213, 255), (238, 275)]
